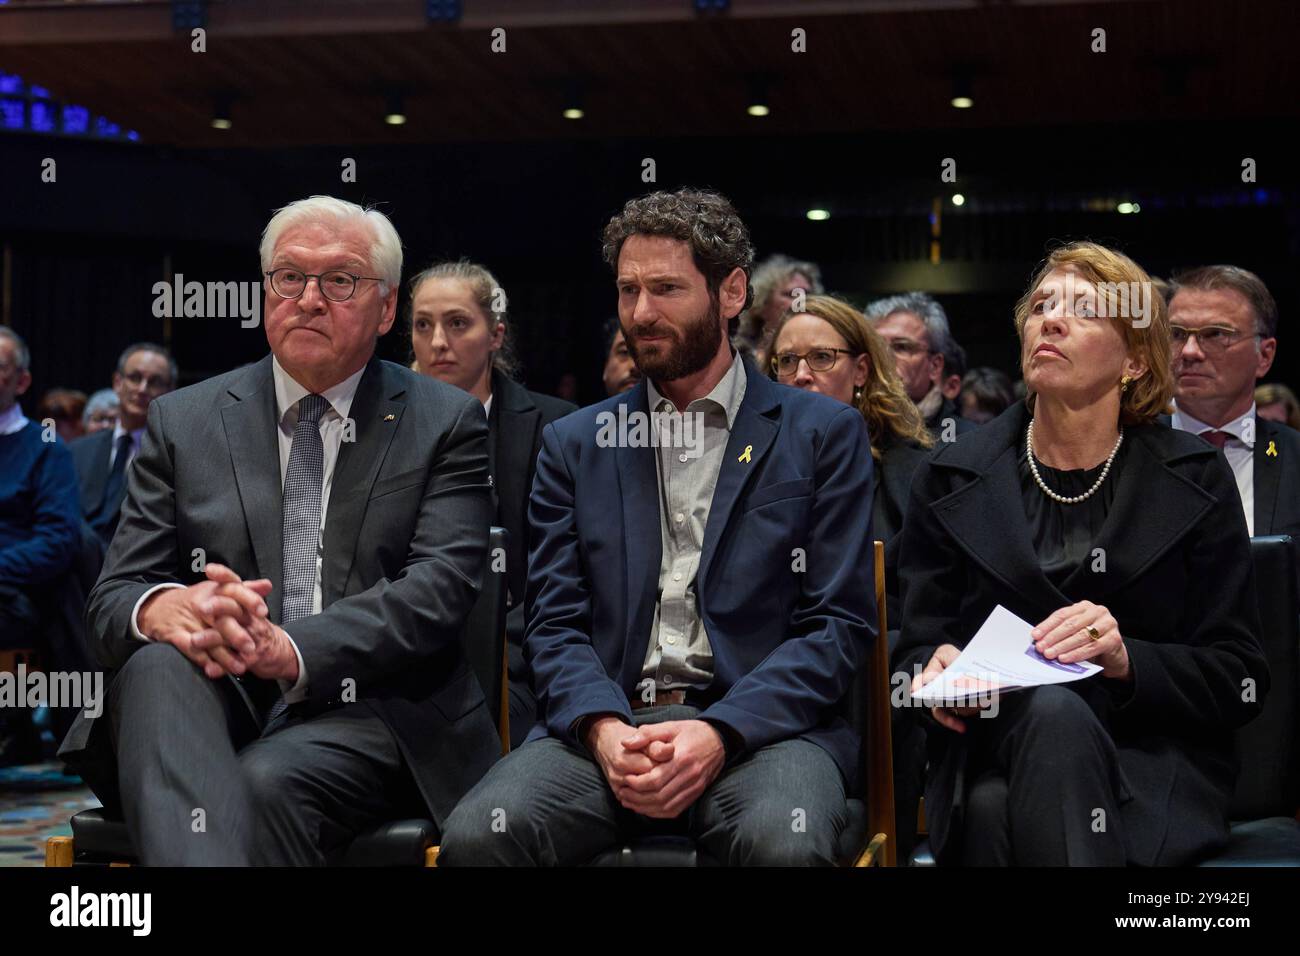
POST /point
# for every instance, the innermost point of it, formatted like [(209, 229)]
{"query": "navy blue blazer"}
[(785, 583)]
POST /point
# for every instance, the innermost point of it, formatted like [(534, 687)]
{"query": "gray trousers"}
[(549, 804), (202, 784)]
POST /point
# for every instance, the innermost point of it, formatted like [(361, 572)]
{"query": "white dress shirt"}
[(1239, 450), (13, 420), (287, 395)]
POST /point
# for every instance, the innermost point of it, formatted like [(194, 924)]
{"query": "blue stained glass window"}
[(13, 114), (76, 119), (39, 92), (10, 83), (105, 128), (44, 116)]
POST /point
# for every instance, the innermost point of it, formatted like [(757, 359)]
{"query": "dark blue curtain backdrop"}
[(85, 251)]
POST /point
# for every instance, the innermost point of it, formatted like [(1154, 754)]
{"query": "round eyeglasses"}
[(336, 285), (785, 364)]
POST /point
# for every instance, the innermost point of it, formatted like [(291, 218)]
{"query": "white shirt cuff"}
[(135, 611), (297, 691)]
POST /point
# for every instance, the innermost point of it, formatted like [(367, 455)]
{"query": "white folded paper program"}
[(1001, 657)]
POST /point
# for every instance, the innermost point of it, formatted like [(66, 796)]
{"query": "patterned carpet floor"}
[(36, 802)]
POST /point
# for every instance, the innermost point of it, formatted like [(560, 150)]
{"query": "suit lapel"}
[(1152, 509), (251, 431), (377, 412), (103, 465), (642, 539), (513, 439), (987, 519), (750, 440), (1268, 474)]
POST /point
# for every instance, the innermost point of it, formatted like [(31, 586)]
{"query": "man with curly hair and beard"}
[(696, 609)]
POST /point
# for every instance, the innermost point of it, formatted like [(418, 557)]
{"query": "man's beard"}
[(690, 350)]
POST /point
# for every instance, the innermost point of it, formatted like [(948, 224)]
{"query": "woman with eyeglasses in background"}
[(829, 347)]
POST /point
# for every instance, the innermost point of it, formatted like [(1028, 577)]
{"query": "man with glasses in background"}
[(916, 328), (1223, 322), (144, 371)]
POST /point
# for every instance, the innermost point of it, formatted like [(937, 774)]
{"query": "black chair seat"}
[(401, 843), (98, 837), (682, 851), (1273, 841)]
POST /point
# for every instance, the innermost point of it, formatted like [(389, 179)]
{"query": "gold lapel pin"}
[(1272, 449), (746, 456), (390, 418)]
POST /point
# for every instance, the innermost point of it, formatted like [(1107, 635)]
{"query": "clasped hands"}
[(657, 770), (222, 625), (1063, 636)]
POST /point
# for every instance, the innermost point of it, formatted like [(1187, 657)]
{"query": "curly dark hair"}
[(707, 220)]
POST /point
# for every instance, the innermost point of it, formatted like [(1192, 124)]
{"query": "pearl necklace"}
[(1062, 499)]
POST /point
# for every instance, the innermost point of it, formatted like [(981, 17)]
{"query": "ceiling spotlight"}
[(757, 97), (221, 113), (958, 199), (1127, 208), (818, 215), (573, 101), (394, 114), (962, 95)]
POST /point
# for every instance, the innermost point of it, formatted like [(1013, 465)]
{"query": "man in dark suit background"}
[(300, 543), (1224, 323), (698, 608), (144, 372)]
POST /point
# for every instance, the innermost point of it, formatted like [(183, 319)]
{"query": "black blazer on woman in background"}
[(894, 470), (1177, 578), (515, 423)]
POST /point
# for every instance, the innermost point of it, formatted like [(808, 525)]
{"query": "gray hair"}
[(773, 271), (102, 400), (172, 372), (488, 295), (22, 354), (925, 308), (385, 251)]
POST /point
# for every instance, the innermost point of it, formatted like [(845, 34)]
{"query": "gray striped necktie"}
[(304, 479)]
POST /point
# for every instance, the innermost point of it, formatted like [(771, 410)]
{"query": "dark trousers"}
[(201, 783), (549, 804), (1043, 786)]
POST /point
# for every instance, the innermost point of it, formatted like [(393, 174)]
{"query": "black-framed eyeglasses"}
[(336, 285), (786, 364), (1211, 338)]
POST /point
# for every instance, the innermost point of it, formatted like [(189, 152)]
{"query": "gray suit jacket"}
[(405, 541)]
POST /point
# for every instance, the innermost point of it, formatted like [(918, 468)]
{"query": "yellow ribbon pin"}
[(1272, 449), (745, 456)]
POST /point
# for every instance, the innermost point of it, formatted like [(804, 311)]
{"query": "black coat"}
[(515, 424), (1177, 577), (894, 470), (1277, 479)]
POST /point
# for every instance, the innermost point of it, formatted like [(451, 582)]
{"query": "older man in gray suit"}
[(300, 543)]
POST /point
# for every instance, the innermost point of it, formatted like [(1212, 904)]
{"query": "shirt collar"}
[(119, 431), (487, 406), (288, 393), (727, 394), (1236, 428), (13, 420)]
